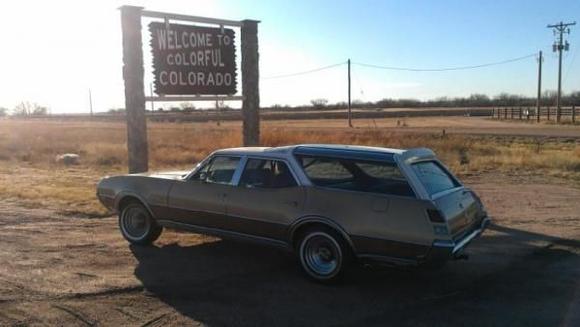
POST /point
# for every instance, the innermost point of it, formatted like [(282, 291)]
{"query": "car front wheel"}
[(137, 225), (322, 255)]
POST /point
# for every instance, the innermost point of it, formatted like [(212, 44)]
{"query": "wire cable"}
[(444, 69), (304, 72), (570, 64)]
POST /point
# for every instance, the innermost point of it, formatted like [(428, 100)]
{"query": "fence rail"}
[(567, 114)]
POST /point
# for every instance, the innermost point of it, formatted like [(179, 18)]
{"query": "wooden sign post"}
[(250, 83), (190, 63), (134, 89)]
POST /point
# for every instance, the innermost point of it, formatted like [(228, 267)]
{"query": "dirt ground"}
[(453, 125), (66, 270)]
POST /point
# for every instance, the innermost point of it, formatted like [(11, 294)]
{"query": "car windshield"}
[(434, 177)]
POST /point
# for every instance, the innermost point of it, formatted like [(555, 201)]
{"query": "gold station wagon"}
[(329, 204)]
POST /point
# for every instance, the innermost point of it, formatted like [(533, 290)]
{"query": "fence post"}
[(528, 114), (505, 113), (548, 112), (520, 112), (492, 112), (573, 114)]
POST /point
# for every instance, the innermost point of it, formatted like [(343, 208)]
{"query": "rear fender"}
[(300, 222)]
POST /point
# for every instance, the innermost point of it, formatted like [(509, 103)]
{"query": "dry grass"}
[(29, 173)]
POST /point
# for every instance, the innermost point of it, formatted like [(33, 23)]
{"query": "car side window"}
[(220, 170), (356, 175), (261, 173), (325, 170)]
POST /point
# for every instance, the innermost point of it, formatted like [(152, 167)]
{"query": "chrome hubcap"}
[(321, 255), (135, 222)]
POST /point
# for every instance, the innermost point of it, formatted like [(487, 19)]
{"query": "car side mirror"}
[(203, 176)]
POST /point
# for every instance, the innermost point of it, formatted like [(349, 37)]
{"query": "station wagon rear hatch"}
[(457, 205)]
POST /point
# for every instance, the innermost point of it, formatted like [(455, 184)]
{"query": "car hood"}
[(176, 174)]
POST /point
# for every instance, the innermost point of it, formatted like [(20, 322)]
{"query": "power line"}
[(570, 65), (444, 69), (304, 72), (314, 70)]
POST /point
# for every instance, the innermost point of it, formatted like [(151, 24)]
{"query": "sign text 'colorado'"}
[(193, 60)]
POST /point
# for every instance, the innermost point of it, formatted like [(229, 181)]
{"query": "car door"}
[(199, 200), (267, 199)]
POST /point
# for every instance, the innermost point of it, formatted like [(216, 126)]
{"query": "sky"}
[(53, 52)]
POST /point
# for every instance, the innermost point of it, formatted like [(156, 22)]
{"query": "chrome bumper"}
[(443, 249)]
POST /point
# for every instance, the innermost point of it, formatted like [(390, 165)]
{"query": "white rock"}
[(68, 159)]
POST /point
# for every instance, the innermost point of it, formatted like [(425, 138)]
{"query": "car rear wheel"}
[(323, 255), (137, 225)]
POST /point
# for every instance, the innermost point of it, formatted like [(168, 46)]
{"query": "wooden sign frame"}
[(133, 75)]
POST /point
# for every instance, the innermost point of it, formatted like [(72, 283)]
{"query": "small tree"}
[(29, 109), (3, 112), (479, 100), (22, 109), (39, 111), (187, 106), (319, 103)]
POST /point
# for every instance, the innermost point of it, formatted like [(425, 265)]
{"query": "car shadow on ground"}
[(510, 280)]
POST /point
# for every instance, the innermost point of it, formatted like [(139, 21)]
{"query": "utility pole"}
[(560, 45), (539, 99), (349, 108), (91, 102)]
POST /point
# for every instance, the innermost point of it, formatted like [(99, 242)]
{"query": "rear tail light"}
[(435, 216)]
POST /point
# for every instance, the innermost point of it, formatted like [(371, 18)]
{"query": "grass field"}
[(29, 174)]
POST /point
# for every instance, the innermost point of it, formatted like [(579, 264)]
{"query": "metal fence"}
[(567, 114)]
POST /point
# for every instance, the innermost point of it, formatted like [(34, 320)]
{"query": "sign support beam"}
[(134, 89), (250, 83)]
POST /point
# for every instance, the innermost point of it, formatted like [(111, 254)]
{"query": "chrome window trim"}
[(326, 188)]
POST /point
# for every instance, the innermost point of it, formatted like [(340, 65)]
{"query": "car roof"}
[(354, 152), (344, 147), (357, 152), (338, 150)]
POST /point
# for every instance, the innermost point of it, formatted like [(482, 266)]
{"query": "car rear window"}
[(434, 177), (356, 175)]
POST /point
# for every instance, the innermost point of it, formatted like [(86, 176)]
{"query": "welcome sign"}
[(190, 60)]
